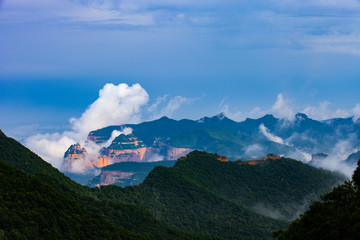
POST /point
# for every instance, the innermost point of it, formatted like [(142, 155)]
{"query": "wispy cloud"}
[(171, 106), (154, 107), (266, 132), (339, 153), (224, 108), (322, 112), (283, 108), (346, 43), (98, 12), (321, 26)]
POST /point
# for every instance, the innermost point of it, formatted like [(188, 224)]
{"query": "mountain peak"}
[(301, 116), (220, 116), (268, 117), (164, 118)]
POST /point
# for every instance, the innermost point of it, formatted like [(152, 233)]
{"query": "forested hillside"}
[(202, 197), (336, 216)]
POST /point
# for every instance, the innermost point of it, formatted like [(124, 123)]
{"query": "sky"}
[(183, 59)]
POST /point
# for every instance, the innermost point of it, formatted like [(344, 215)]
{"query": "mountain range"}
[(302, 138), (203, 196)]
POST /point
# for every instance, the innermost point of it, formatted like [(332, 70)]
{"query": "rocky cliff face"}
[(112, 177), (126, 173), (74, 153), (223, 159), (124, 148), (260, 161)]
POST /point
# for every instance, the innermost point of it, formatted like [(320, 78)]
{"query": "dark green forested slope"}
[(280, 185), (15, 154), (278, 188), (117, 215), (30, 209), (336, 216), (179, 201), (202, 194)]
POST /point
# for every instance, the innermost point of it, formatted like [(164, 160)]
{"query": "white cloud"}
[(82, 165), (264, 130), (334, 161), (224, 108), (256, 112), (153, 107), (51, 147), (172, 105), (116, 105), (283, 108), (322, 112), (356, 112), (115, 134), (254, 150)]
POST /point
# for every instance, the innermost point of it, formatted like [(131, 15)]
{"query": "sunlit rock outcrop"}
[(124, 148)]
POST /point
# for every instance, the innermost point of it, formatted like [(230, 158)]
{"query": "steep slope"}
[(30, 209), (180, 202), (15, 154), (353, 158), (278, 188), (202, 194), (119, 216), (336, 216)]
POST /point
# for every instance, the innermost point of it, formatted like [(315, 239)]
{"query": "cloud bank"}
[(335, 159), (116, 105), (284, 108), (290, 28)]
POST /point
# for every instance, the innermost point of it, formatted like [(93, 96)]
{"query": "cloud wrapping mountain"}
[(122, 104), (117, 104)]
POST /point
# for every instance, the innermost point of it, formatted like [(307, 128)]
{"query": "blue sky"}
[(193, 58)]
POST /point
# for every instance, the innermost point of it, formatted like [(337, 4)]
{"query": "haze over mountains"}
[(321, 143)]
